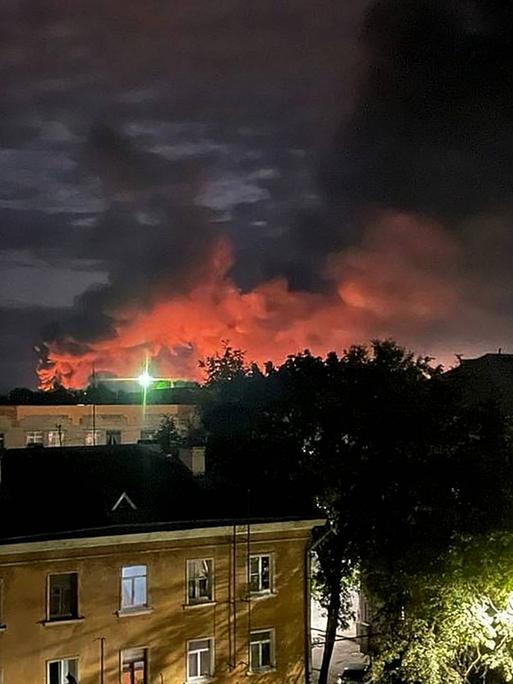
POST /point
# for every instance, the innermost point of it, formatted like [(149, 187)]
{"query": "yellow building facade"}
[(224, 603), (88, 424)]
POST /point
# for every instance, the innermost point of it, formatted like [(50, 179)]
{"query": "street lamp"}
[(145, 380)]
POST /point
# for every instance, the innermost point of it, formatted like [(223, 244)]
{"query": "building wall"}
[(26, 644), (77, 421)]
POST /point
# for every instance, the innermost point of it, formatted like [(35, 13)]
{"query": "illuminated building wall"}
[(166, 607), (88, 425)]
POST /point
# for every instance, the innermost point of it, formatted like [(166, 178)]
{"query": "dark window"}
[(63, 596), (260, 573), (261, 653), (199, 580), (113, 437), (63, 671), (2, 440)]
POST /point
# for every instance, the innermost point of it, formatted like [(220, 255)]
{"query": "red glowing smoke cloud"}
[(398, 282)]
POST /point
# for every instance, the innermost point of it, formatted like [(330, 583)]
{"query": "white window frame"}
[(57, 618), (60, 436), (30, 437), (63, 674), (261, 590), (189, 652), (145, 659), (127, 608), (272, 650), (191, 563), (92, 437)]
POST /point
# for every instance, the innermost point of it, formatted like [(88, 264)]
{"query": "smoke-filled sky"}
[(282, 175)]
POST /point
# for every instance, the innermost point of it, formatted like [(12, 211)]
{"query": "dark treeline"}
[(189, 393)]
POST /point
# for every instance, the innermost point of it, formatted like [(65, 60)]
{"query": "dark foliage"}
[(395, 460)]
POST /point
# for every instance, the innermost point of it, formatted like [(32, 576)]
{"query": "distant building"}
[(88, 424), (119, 565), (484, 379)]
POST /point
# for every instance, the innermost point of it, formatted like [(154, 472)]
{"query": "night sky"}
[(353, 159)]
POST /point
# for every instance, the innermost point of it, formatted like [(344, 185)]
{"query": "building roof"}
[(485, 378), (94, 491)]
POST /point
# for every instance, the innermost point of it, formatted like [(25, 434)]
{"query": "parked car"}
[(352, 673)]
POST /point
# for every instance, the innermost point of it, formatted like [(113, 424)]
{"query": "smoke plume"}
[(408, 234)]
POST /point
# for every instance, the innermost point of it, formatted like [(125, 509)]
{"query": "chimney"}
[(193, 458)]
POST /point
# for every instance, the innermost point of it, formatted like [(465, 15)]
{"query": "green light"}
[(163, 384)]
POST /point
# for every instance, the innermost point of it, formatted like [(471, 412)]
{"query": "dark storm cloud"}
[(432, 135), (433, 129), (133, 135), (152, 240), (20, 328)]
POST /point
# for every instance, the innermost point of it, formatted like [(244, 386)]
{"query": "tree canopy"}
[(403, 469)]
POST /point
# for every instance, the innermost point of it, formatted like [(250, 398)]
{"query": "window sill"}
[(64, 621), (262, 671), (199, 604), (201, 680), (129, 612), (258, 595)]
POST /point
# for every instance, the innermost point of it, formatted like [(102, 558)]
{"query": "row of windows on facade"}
[(57, 438), (200, 661), (62, 589)]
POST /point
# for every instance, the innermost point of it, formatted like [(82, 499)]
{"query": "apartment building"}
[(118, 565), (88, 424)]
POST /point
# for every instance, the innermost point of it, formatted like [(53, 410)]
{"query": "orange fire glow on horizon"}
[(400, 279)]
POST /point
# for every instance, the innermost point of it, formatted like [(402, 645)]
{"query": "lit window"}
[(200, 659), (63, 671), (55, 438), (133, 666), (260, 571), (133, 587), (92, 437), (199, 580), (113, 437), (63, 596), (34, 437), (261, 651)]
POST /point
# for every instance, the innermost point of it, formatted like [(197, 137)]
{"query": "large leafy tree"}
[(381, 442), (456, 620)]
